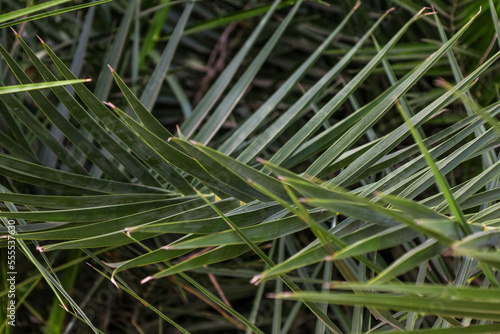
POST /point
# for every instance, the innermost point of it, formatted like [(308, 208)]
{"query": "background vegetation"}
[(141, 207)]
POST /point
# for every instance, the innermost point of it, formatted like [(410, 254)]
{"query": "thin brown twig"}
[(216, 61), (213, 279)]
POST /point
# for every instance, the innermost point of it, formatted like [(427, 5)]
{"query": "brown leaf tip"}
[(111, 69), (109, 104), (429, 13), (41, 40), (256, 280), (126, 231), (447, 252), (114, 282), (147, 279), (15, 32), (421, 11)]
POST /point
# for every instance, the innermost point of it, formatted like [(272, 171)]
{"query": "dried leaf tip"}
[(41, 249), (147, 279), (126, 231), (87, 80), (280, 177), (448, 252), (419, 14), (329, 257), (389, 10), (260, 160), (356, 6), (41, 40), (303, 200), (438, 81), (193, 142), (109, 104), (255, 280), (15, 32), (111, 69), (114, 282), (285, 294), (430, 13)]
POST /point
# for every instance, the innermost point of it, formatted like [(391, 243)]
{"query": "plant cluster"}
[(260, 167)]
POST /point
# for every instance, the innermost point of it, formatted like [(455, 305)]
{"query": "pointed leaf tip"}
[(41, 40), (109, 104), (15, 32), (448, 252), (356, 6), (41, 249), (255, 280), (285, 294), (389, 10), (114, 282), (440, 82), (126, 231), (430, 13), (111, 69), (260, 160), (421, 11), (147, 279)]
